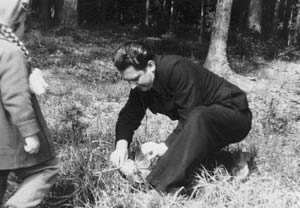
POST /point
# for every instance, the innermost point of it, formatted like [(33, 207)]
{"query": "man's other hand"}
[(153, 149)]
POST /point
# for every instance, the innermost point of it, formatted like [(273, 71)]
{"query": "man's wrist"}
[(122, 144)]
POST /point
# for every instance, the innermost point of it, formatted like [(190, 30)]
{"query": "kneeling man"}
[(211, 112)]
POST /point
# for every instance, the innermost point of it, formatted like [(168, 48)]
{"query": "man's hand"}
[(120, 155), (32, 144), (153, 149)]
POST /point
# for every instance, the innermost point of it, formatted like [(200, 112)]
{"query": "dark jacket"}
[(179, 86), (20, 114)]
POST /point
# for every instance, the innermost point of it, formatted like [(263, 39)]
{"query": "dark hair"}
[(132, 53)]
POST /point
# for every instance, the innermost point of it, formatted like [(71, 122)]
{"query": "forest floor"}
[(82, 105)]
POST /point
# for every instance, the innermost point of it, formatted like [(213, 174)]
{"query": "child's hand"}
[(32, 144)]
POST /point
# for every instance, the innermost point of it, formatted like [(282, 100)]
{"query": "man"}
[(211, 112)]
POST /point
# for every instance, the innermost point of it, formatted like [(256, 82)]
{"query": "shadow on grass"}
[(237, 164)]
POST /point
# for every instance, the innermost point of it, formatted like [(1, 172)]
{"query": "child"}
[(26, 147)]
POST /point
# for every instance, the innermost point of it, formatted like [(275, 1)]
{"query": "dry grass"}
[(81, 109)]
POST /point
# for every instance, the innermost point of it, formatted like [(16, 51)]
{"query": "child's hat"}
[(11, 10)]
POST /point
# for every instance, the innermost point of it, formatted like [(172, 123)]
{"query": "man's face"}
[(142, 79)]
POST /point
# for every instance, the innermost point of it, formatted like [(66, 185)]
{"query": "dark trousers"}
[(206, 130), (36, 183)]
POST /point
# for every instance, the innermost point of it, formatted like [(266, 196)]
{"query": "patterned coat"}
[(20, 114)]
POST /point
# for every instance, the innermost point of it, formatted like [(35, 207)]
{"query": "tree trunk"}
[(255, 15), (216, 59), (291, 31), (165, 16), (58, 10), (268, 16), (147, 13), (287, 21), (44, 10), (34, 5), (172, 17), (70, 17), (276, 15), (200, 38), (281, 16), (297, 26), (103, 4)]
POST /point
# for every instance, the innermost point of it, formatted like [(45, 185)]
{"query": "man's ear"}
[(151, 65)]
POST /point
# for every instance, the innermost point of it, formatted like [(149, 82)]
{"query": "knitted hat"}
[(11, 10)]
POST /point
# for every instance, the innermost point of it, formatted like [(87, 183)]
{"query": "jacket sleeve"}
[(15, 94), (130, 117)]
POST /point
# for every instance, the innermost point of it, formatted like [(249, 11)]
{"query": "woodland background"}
[(253, 43)]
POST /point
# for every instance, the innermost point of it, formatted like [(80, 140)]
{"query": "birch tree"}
[(216, 59), (172, 17), (147, 13)]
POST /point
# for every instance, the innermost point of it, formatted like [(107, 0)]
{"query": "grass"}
[(82, 106)]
